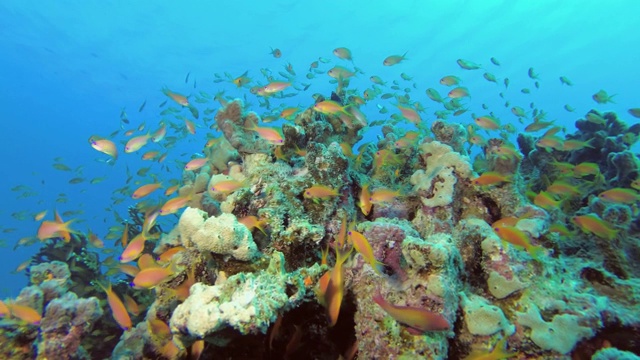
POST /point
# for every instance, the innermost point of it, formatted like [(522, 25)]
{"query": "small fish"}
[(601, 97), (196, 164), (468, 65), (179, 99), (242, 80), (330, 107), (565, 81), (343, 53), (274, 87), (362, 246), (532, 74), (394, 59), (591, 223), (635, 112), (418, 320), (135, 143), (229, 186), (620, 196), (450, 80), (150, 277), (134, 249), (490, 178), (458, 92), (25, 313), (495, 61), (569, 108), (320, 192), (51, 229), (276, 53), (104, 146), (118, 310), (433, 95), (490, 77), (518, 238), (488, 122), (270, 134), (499, 352), (145, 190)]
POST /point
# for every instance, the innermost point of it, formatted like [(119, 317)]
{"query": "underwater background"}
[(72, 71)]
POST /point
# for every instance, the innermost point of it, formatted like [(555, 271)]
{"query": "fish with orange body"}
[(394, 59), (330, 107), (252, 222), (150, 277), (335, 287), (25, 313), (620, 196), (488, 122), (270, 134), (50, 229), (546, 201), (179, 99), (135, 143), (242, 80), (364, 200), (104, 146), (229, 186), (274, 87), (133, 249), (145, 190), (118, 310), (592, 223), (383, 195), (490, 178), (417, 320), (518, 238), (362, 246), (320, 192), (195, 164)]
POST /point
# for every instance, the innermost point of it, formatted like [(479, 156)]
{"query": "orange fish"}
[(343, 53), (382, 195), (150, 155), (620, 196), (546, 201), (320, 192), (274, 87), (591, 223), (418, 320), (518, 238), (133, 249), (131, 305), (39, 216), (362, 245), (252, 221), (51, 229), (149, 278), (168, 255), (394, 59), (458, 92), (104, 146), (365, 202), (118, 310), (175, 204), (490, 178), (25, 313), (134, 144), (180, 99), (488, 122), (330, 107), (229, 186), (196, 164), (335, 288), (410, 114), (191, 127), (145, 190), (585, 169), (271, 134)]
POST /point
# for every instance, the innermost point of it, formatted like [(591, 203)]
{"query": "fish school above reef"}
[(440, 239)]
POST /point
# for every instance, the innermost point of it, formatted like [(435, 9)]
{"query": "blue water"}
[(67, 68)]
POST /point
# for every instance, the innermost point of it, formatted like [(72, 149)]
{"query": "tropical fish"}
[(275, 86), (635, 112), (620, 196), (450, 80), (118, 310), (242, 80), (495, 61), (51, 229), (135, 143), (592, 223), (104, 146), (150, 277), (499, 352), (518, 238), (418, 320), (179, 99), (25, 313), (394, 59), (565, 81), (195, 164), (276, 53), (458, 92), (320, 192), (490, 178), (343, 53), (145, 190), (488, 122), (362, 246), (330, 107), (468, 65), (601, 97), (270, 134)]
